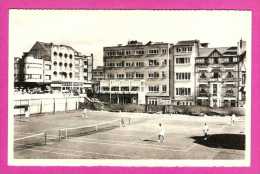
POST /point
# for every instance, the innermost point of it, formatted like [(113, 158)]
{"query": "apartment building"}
[(220, 76), (184, 71), (98, 74), (137, 73), (57, 67)]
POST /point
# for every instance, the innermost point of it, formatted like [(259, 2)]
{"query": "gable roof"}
[(45, 50), (205, 52)]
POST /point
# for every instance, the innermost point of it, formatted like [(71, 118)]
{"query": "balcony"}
[(231, 79), (229, 95), (203, 94), (204, 79)]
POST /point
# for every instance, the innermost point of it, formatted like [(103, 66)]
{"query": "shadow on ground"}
[(225, 141)]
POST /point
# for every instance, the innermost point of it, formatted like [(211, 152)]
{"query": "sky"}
[(88, 31)]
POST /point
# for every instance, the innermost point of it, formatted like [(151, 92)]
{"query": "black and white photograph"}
[(129, 87)]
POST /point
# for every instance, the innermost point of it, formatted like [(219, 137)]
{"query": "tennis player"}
[(233, 118), (27, 113), (84, 115), (161, 134), (205, 131)]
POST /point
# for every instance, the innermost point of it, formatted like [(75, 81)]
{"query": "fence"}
[(43, 105)]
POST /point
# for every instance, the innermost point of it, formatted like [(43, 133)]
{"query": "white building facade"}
[(57, 67)]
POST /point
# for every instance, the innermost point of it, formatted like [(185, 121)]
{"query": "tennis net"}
[(31, 140), (65, 133)]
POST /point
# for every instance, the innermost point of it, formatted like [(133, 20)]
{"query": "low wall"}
[(48, 104)]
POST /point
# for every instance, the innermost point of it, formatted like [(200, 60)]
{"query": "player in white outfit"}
[(205, 131), (161, 134)]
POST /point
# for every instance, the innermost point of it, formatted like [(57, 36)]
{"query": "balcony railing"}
[(229, 95), (203, 94), (203, 79), (230, 79)]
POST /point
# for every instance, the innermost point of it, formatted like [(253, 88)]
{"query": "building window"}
[(65, 55), (65, 64), (183, 91), (114, 88), (164, 51), (54, 63), (153, 63), (189, 48), (215, 60), (164, 63), (139, 52), (125, 88), (153, 51), (216, 75), (120, 76), (70, 65), (229, 75), (127, 52), (70, 56), (139, 76), (178, 50), (184, 49), (215, 89), (164, 88), (60, 64), (60, 54), (85, 62), (243, 78), (183, 60), (127, 64), (110, 76), (85, 70), (55, 73), (139, 64), (55, 53), (129, 75), (47, 77), (152, 101), (34, 76), (163, 74), (153, 75), (105, 88), (135, 88), (48, 67), (183, 76), (153, 88), (70, 74), (203, 75), (229, 93)]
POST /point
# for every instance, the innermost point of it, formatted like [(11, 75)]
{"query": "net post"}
[(96, 127), (45, 138), (59, 134), (66, 133)]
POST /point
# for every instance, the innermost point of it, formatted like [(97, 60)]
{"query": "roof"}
[(187, 42), (46, 47), (205, 52)]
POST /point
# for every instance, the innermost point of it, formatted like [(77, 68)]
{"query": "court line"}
[(126, 142), (71, 154), (144, 146)]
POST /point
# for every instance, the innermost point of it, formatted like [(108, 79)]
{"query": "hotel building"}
[(57, 67), (188, 73), (220, 76), (183, 71), (137, 73)]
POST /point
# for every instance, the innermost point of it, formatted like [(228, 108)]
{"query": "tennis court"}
[(136, 138)]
